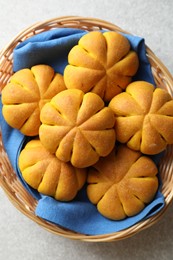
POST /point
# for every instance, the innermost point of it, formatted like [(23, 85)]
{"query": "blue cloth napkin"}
[(51, 47), (80, 215)]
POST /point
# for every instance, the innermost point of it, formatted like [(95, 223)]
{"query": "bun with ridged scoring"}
[(77, 127), (102, 63), (122, 183), (144, 117), (44, 172), (26, 93)]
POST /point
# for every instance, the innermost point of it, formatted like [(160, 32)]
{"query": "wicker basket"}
[(21, 199)]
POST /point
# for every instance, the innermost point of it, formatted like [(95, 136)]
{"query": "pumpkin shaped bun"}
[(77, 127), (44, 172), (144, 117), (122, 183), (102, 63), (26, 93)]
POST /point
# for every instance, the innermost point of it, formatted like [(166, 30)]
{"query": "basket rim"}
[(160, 67), (62, 20)]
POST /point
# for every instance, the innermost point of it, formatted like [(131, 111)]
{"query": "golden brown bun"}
[(101, 63), (77, 127), (44, 172), (144, 117), (26, 93), (122, 183)]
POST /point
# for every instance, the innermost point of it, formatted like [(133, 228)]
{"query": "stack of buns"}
[(92, 125)]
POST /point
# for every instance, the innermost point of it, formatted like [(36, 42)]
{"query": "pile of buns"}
[(92, 125)]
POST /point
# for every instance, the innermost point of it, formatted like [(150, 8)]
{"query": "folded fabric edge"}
[(87, 220)]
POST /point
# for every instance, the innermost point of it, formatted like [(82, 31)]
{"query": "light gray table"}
[(22, 239)]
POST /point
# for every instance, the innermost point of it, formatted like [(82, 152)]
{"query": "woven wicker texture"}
[(21, 199)]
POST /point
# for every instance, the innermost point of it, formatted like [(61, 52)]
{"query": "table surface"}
[(20, 238)]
